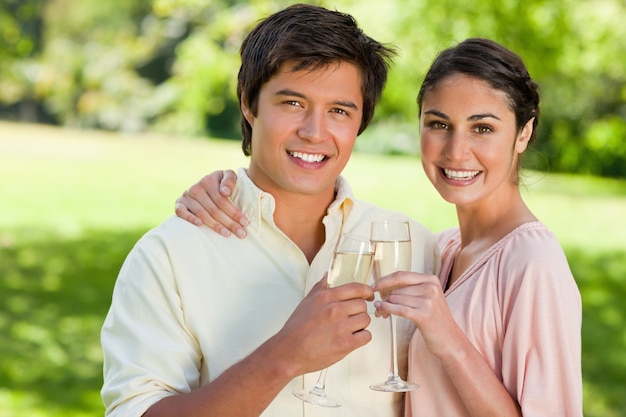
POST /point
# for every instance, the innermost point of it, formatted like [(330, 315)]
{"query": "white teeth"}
[(307, 157), (460, 175)]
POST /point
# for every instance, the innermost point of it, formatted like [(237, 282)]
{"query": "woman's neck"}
[(490, 221)]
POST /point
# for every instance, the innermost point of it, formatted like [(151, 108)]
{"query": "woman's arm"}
[(419, 298), (207, 202)]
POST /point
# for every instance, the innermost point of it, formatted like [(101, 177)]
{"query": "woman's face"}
[(469, 141)]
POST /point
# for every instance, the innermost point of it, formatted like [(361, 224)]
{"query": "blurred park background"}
[(110, 109)]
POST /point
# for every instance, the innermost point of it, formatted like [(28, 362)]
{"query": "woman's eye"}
[(437, 125), (483, 129)]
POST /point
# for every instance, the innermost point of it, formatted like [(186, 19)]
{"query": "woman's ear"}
[(524, 136)]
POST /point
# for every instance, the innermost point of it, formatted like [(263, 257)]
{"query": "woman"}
[(498, 331)]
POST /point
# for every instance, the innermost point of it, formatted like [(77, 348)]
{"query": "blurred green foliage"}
[(55, 292), (170, 65)]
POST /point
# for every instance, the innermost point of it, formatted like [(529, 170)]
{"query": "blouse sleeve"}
[(542, 314)]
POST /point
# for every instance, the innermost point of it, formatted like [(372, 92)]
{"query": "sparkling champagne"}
[(349, 267), (390, 257)]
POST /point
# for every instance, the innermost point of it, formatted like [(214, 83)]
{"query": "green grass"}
[(72, 204)]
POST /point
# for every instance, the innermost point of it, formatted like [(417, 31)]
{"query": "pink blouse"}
[(520, 307)]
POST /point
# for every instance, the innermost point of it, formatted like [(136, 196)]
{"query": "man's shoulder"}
[(380, 212), (374, 211), (174, 231), (174, 225)]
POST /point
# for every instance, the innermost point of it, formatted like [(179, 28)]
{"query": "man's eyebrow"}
[(292, 93), (348, 104), (288, 92)]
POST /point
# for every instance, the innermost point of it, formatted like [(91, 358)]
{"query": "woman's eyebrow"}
[(437, 113), (482, 116), (472, 118)]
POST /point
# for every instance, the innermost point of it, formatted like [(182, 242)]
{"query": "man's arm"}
[(151, 357), (245, 389), (326, 326)]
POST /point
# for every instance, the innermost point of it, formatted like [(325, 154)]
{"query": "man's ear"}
[(247, 113)]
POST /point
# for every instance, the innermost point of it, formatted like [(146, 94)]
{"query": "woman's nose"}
[(457, 146)]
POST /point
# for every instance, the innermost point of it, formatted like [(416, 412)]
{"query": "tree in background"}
[(20, 42), (170, 66)]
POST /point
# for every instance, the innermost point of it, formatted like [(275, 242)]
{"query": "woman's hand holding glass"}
[(420, 298), (392, 246)]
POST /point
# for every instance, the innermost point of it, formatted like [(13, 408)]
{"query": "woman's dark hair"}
[(312, 37), (489, 61)]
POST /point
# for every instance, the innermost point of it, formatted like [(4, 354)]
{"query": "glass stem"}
[(320, 385), (393, 372)]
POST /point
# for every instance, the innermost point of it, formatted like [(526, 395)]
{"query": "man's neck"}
[(300, 218)]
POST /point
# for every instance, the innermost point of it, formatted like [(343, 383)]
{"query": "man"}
[(207, 326)]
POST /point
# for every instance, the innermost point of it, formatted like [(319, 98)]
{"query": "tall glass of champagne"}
[(351, 262), (392, 252)]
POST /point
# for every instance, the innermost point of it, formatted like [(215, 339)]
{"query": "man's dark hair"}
[(311, 37)]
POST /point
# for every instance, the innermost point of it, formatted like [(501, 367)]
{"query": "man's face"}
[(304, 130)]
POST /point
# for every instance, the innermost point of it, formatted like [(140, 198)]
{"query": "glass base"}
[(317, 397), (394, 384)]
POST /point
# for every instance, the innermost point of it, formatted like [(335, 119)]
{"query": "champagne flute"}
[(351, 262), (392, 252)]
